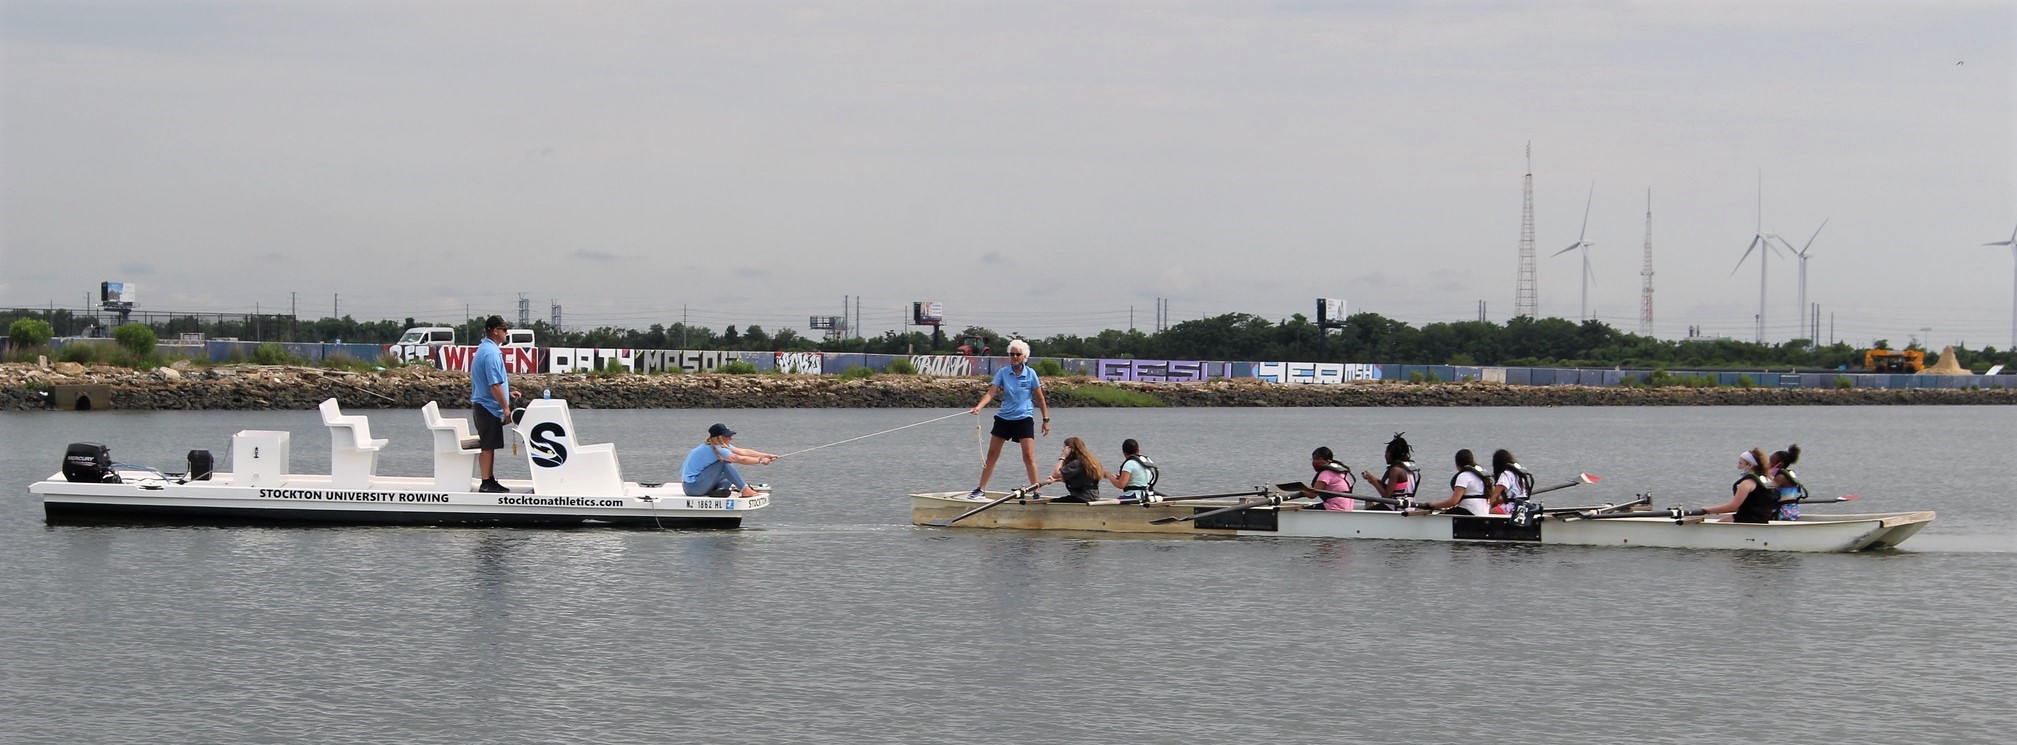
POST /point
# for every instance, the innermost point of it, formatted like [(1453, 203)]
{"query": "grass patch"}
[(857, 372), (1106, 395)]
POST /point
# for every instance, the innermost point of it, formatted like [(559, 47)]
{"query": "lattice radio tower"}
[(1526, 300), (1646, 273)]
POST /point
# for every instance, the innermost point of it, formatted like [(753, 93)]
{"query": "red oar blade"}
[(1589, 478)]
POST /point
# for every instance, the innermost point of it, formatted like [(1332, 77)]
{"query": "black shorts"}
[(1015, 430), (489, 429)]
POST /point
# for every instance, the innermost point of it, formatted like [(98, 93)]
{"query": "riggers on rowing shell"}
[(573, 483), (1813, 532)]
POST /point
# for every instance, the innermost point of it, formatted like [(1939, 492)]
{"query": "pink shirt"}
[(1334, 481)]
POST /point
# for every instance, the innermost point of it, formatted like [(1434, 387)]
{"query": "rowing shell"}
[(1823, 533)]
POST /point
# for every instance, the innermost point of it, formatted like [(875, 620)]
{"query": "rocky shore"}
[(252, 387)]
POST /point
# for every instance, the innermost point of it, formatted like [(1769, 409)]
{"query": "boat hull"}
[(143, 497), (1814, 533)]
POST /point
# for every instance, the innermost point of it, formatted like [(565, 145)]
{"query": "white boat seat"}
[(585, 471), (353, 455), (455, 450)]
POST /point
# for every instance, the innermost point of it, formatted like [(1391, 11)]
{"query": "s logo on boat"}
[(548, 445)]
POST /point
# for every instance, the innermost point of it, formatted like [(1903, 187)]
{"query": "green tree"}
[(137, 338), (29, 332)]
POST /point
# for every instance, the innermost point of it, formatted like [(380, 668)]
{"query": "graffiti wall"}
[(801, 363), (1161, 371), (944, 365), (1314, 372), (517, 360)]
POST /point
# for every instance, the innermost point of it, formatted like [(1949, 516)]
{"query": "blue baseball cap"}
[(720, 430)]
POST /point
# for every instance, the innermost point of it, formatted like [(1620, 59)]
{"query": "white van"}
[(519, 338), (427, 336)]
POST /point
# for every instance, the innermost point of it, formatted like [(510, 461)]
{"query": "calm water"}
[(830, 619)]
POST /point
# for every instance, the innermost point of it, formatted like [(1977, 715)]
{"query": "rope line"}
[(872, 434)]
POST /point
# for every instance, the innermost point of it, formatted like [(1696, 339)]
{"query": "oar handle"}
[(1254, 492), (1670, 513), (1389, 501)]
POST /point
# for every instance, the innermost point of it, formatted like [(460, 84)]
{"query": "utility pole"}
[(335, 305)]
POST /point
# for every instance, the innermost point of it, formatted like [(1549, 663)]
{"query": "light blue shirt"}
[(1138, 474), (1017, 392), (700, 459), (485, 370)]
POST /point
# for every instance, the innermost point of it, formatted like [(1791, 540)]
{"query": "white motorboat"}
[(572, 483)]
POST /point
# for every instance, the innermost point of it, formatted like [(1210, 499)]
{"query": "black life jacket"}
[(1414, 477), (1525, 478), (1154, 474), (1761, 505)]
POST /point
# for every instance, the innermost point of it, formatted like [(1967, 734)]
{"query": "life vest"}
[(1154, 474), (1790, 496), (1761, 505), (1339, 468), (1485, 479), (1526, 479), (1414, 478)]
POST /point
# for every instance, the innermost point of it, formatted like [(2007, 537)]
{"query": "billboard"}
[(927, 313), (824, 322), (116, 294), (1330, 311)]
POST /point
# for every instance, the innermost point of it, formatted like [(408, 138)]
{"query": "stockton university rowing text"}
[(350, 496)]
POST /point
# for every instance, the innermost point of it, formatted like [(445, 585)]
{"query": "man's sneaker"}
[(490, 486), (976, 494)]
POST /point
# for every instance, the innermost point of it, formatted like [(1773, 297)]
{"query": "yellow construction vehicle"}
[(1894, 360)]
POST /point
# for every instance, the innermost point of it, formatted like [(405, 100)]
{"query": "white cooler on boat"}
[(259, 457)]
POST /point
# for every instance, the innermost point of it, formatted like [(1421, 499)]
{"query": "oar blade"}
[(1589, 478)]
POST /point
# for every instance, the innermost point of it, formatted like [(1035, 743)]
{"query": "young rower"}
[(1079, 470), (1138, 475), (1401, 478), (1510, 482), (1468, 489), (1791, 491), (1331, 476), (1752, 497)]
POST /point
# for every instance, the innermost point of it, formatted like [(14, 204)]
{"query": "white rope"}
[(871, 434)]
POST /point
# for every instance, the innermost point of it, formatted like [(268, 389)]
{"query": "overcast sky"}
[(1039, 168)]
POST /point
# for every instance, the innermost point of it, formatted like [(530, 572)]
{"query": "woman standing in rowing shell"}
[(1752, 497), (1080, 471), (1019, 388), (1401, 477), (1467, 489), (1331, 476), (1510, 482)]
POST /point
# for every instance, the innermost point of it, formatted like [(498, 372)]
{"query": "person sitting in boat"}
[(1752, 497), (1401, 477), (1468, 489), (1791, 491), (1510, 482), (1079, 470), (1331, 476), (1138, 475), (710, 468)]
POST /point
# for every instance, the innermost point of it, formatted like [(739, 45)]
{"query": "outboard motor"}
[(90, 463), (200, 465)]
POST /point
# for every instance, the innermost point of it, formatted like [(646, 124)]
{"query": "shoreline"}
[(26, 387)]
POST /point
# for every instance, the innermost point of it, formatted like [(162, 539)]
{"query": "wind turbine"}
[(2012, 243), (1804, 255), (1760, 239), (1585, 246)]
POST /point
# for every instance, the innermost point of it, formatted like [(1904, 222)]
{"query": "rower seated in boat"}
[(1079, 470), (1511, 482), (1401, 478), (1138, 475), (1467, 489), (1331, 476), (1791, 491), (1753, 499)]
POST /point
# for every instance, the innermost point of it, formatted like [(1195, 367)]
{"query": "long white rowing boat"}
[(571, 484), (1812, 532)]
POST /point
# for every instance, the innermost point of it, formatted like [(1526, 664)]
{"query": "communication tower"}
[(1646, 273), (1526, 299)]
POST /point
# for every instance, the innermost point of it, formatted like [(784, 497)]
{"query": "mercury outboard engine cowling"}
[(200, 465), (89, 462)]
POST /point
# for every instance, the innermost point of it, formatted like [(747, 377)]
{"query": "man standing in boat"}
[(490, 399), (1019, 388)]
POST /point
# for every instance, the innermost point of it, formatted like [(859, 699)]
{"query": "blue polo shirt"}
[(1017, 392), (485, 370)]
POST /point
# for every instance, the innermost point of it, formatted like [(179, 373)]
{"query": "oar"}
[(1642, 499), (1289, 486), (1811, 500), (1254, 492), (1671, 513), (1272, 499), (1013, 493), (1581, 478)]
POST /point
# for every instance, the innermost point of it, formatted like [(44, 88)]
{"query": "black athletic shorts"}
[(1015, 430), (489, 429)]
